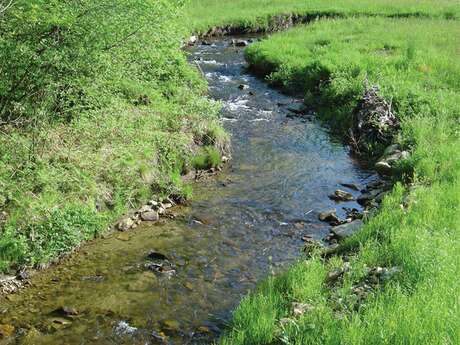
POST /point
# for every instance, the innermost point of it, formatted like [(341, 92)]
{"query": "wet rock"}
[(123, 328), (10, 284), (340, 195), (297, 108), (60, 321), (151, 216), (205, 43), (164, 268), (329, 216), (167, 205), (145, 208), (346, 230), (153, 203), (153, 255), (125, 224), (6, 331), (23, 275), (298, 309), (366, 198), (159, 337), (240, 43), (383, 168), (351, 186), (243, 87), (192, 40)]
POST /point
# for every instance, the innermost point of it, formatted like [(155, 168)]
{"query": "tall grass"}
[(415, 62)]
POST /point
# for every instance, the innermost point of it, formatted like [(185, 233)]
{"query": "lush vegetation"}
[(99, 110), (257, 14), (416, 64)]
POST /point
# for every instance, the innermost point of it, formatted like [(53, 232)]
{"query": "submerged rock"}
[(346, 230), (6, 331)]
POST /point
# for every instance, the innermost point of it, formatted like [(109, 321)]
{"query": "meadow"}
[(257, 14), (411, 51)]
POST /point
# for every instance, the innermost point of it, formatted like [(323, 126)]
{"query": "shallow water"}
[(242, 225)]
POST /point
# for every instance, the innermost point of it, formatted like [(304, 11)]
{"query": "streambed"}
[(242, 225)]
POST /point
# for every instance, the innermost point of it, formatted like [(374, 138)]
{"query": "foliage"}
[(206, 158), (99, 110)]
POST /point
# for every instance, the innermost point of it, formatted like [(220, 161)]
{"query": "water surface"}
[(242, 225)]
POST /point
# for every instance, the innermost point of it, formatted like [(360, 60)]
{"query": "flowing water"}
[(241, 226)]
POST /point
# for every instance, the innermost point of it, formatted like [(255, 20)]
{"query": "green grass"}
[(135, 116), (205, 14), (416, 64)]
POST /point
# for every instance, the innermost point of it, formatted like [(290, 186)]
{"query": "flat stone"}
[(150, 216), (346, 230), (123, 237), (340, 195)]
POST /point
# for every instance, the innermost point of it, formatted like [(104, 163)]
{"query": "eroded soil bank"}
[(177, 281)]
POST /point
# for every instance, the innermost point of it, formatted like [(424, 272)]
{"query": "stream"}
[(242, 225)]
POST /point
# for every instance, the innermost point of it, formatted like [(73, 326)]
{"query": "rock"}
[(205, 43), (153, 255), (159, 337), (297, 108), (352, 186), (123, 328), (340, 195), (67, 311), (392, 149), (346, 230), (243, 87), (384, 168), (192, 40), (150, 216), (366, 198), (240, 43), (328, 216), (161, 210), (123, 237), (298, 309), (170, 325), (145, 208), (334, 275), (153, 203), (6, 331), (167, 205), (125, 224)]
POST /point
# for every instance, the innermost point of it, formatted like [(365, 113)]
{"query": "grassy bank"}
[(205, 14), (99, 110), (415, 63)]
